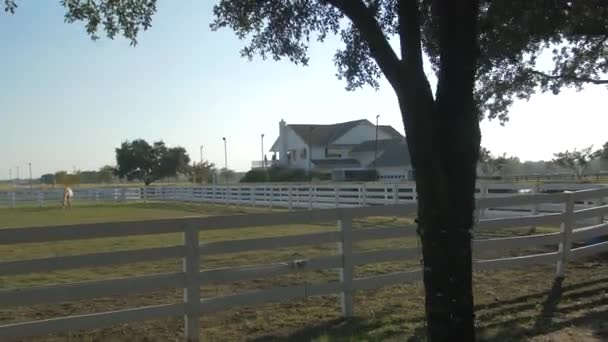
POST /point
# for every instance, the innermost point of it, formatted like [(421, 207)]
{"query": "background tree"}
[(226, 175), (491, 165), (61, 177), (603, 158), (73, 178), (106, 174), (88, 177), (577, 161), (48, 179), (142, 161), (201, 172), (481, 65)]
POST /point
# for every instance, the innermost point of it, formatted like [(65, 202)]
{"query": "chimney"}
[(283, 143)]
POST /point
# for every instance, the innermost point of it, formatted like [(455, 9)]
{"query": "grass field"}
[(514, 305)]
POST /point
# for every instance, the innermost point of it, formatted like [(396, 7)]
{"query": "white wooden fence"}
[(287, 195), (191, 278)]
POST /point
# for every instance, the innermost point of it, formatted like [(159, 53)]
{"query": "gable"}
[(364, 131)]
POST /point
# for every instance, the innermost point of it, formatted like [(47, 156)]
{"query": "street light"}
[(263, 160), (30, 165), (376, 149), (17, 173), (201, 166), (309, 155), (225, 160)]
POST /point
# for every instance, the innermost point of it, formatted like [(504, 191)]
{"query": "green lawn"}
[(91, 213), (511, 304)]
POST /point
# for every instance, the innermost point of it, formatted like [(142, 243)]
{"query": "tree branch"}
[(569, 77), (363, 19), (409, 34)]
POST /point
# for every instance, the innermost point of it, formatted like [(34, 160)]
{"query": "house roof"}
[(324, 135), (394, 155), (321, 135), (390, 130), (336, 163), (370, 145)]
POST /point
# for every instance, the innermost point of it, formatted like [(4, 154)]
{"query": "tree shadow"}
[(515, 319), (550, 304), (553, 316)]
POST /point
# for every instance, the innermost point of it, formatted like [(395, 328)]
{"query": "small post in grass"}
[(310, 197), (396, 193), (192, 294), (345, 248), (290, 197), (336, 196), (566, 230)]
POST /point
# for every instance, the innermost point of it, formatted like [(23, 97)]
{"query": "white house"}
[(348, 145)]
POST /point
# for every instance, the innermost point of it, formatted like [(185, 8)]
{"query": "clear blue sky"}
[(66, 101)]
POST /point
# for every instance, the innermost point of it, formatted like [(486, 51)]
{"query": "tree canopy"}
[(106, 174), (485, 55), (513, 36), (142, 161), (48, 179), (490, 164), (516, 38), (201, 172), (577, 161)]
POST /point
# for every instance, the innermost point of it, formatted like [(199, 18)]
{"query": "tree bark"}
[(444, 137)]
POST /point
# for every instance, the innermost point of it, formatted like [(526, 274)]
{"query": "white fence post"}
[(385, 194), (566, 230), (336, 196), (396, 193), (40, 199), (483, 191), (535, 191), (536, 205), (270, 196), (192, 294), (364, 194), (226, 194), (309, 196), (12, 199), (600, 202), (345, 248), (290, 197)]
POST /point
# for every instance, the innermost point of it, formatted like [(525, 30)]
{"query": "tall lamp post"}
[(309, 155), (263, 160), (30, 166), (201, 166), (201, 154), (225, 160), (376, 149)]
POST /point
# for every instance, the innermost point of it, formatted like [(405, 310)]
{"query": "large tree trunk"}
[(444, 137)]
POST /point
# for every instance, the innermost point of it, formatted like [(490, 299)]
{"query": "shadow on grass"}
[(582, 304)]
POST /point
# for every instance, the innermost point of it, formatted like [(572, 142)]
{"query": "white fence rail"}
[(191, 277), (292, 195)]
